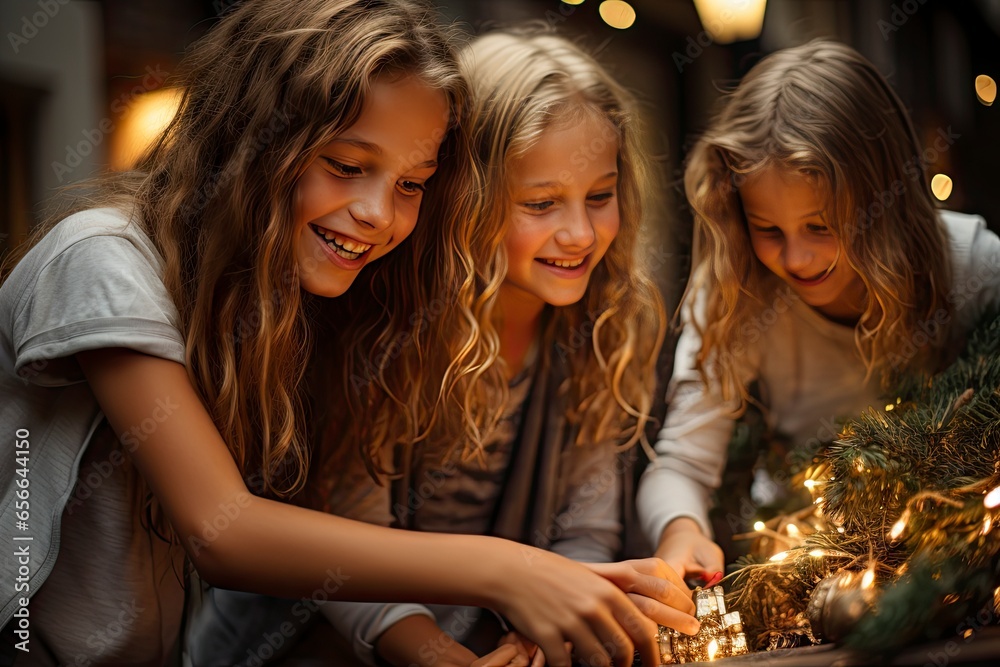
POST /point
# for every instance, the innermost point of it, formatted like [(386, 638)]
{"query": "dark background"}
[(65, 63)]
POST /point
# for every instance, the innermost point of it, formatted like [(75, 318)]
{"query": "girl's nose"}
[(798, 258), (577, 230), (376, 207)]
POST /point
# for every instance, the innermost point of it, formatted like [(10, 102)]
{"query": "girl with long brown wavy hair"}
[(823, 271), (156, 343)]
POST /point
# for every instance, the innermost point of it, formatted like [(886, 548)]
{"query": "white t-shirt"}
[(103, 589), (810, 374)]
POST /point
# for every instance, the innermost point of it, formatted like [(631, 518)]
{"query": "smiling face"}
[(360, 196), (564, 212), (790, 236)]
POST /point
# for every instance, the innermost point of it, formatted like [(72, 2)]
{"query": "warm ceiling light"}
[(986, 89), (617, 14), (941, 186), (148, 115), (731, 20), (572, 2)]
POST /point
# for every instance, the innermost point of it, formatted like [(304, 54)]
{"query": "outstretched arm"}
[(270, 547)]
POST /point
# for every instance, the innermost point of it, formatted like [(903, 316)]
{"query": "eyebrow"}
[(552, 184), (375, 149), (814, 214)]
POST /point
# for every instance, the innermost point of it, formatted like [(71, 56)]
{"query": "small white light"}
[(779, 556), (868, 579), (758, 525), (992, 498)]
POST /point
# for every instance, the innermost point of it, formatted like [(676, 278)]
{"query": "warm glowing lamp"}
[(146, 118), (731, 20)]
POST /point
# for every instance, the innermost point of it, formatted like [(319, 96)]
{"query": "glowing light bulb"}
[(809, 483), (859, 464), (817, 553), (899, 526), (992, 498), (792, 530), (712, 648), (758, 525), (868, 579), (779, 556)]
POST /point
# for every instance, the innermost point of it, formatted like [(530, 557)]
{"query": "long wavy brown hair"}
[(263, 92), (823, 110), (522, 82)]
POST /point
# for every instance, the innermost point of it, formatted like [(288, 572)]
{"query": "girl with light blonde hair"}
[(823, 271), (558, 326)]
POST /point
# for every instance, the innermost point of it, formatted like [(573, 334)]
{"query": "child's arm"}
[(279, 549), (673, 496)]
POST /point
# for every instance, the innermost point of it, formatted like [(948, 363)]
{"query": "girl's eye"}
[(341, 169), (601, 198), (411, 188), (767, 231), (538, 206), (818, 229)]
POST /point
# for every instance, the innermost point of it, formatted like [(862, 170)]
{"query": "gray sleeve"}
[(589, 523), (362, 623), (691, 448), (976, 270), (99, 292)]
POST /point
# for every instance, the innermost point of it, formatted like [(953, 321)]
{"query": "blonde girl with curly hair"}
[(559, 325), (823, 271), (156, 343)]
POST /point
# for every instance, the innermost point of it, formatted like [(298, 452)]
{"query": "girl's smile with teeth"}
[(343, 246), (564, 263)]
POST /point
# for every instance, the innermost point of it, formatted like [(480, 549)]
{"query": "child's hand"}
[(510, 654), (528, 648), (554, 600), (688, 551), (656, 590)]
